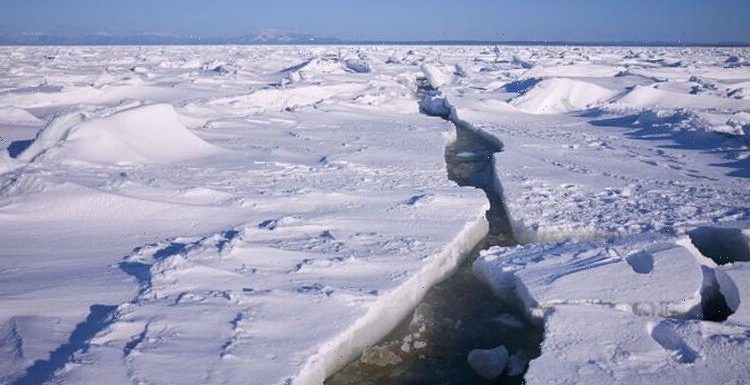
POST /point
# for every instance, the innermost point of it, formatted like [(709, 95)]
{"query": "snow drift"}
[(560, 95), (141, 135), (651, 97), (17, 116)]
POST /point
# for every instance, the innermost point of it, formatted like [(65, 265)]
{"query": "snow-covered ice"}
[(733, 284), (625, 311), (263, 214), (142, 135)]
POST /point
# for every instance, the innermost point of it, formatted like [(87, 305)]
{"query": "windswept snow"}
[(18, 116), (269, 239), (206, 215), (653, 97), (582, 70), (559, 95), (141, 135)]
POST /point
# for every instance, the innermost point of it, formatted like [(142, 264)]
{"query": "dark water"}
[(461, 313), (430, 347), (470, 162)]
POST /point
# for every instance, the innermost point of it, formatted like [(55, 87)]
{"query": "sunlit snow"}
[(266, 214)]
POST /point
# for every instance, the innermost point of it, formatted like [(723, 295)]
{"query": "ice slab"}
[(591, 345), (637, 277), (734, 283)]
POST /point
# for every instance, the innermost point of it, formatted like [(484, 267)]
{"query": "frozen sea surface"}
[(264, 214)]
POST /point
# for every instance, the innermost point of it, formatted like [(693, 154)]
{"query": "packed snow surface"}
[(558, 95), (226, 215), (142, 135)]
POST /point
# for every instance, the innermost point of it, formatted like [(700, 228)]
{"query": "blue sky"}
[(576, 20)]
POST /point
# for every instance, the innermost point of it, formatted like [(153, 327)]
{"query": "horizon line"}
[(124, 41), (104, 38)]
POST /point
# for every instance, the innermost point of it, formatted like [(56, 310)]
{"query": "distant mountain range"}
[(273, 37)]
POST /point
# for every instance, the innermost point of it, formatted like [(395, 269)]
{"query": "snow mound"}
[(17, 115), (561, 95), (7, 163), (652, 97), (141, 135)]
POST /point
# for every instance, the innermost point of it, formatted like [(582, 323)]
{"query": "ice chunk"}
[(380, 356), (734, 284), (554, 275), (434, 105), (459, 71), (358, 65), (437, 76), (489, 363), (594, 345), (517, 364)]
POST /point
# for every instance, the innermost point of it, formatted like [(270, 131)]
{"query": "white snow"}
[(262, 214), (636, 350), (17, 115), (613, 172), (734, 282), (437, 75), (559, 95), (636, 277), (578, 70), (652, 97), (141, 135), (605, 321)]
